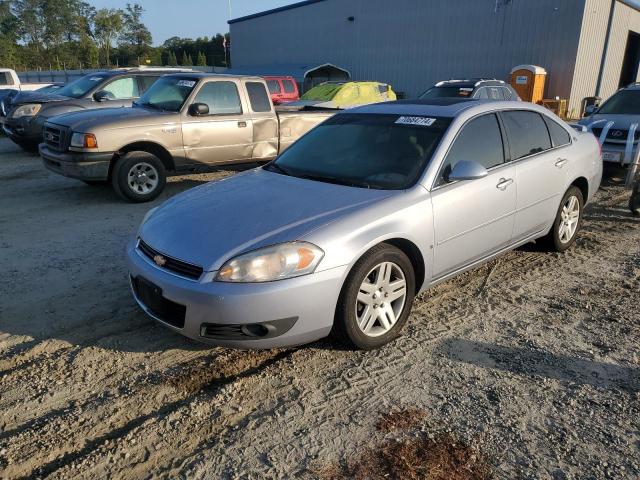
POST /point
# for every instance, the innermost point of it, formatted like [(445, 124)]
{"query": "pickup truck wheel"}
[(376, 298), (138, 177), (567, 223)]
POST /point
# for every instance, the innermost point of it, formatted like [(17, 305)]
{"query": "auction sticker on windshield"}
[(419, 121)]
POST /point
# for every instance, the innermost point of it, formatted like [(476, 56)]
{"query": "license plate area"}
[(611, 156), (150, 295)]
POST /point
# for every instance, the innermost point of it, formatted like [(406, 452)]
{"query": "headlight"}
[(277, 262), (28, 110), (84, 140)]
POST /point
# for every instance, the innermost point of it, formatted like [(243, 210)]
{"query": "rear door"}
[(265, 121), (474, 218), (225, 134), (541, 169)]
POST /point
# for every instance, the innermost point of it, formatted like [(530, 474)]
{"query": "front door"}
[(225, 134), (473, 219)]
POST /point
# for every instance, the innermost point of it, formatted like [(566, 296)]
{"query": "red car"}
[(282, 89)]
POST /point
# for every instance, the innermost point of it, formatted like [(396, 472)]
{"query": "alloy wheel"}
[(569, 218)]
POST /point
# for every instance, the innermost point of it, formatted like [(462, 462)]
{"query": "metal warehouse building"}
[(588, 47)]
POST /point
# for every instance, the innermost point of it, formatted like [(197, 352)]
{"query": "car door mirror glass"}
[(102, 96), (467, 170), (198, 109)]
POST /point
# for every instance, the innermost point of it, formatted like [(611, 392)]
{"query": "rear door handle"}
[(504, 183), (560, 162), (242, 124)]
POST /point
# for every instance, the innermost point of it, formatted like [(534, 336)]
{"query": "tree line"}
[(72, 34)]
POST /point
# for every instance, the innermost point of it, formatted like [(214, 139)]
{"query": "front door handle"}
[(242, 124), (504, 183), (560, 162)]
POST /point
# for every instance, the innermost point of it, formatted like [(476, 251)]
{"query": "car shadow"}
[(532, 362)]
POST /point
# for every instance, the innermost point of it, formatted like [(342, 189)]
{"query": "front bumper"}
[(24, 129), (80, 165), (302, 307)]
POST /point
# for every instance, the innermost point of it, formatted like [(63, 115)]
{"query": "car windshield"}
[(322, 93), (448, 92), (79, 88), (625, 102), (168, 93), (387, 152)]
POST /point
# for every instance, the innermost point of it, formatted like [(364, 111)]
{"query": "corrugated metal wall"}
[(414, 43), (625, 19)]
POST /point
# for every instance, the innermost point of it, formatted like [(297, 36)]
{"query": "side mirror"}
[(590, 110), (198, 109), (102, 96), (467, 170)]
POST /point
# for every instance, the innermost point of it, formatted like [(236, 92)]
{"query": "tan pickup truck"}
[(183, 122)]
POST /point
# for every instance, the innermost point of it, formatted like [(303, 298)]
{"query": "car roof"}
[(444, 107), (472, 83), (200, 75)]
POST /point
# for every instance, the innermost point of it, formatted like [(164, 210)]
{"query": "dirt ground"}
[(530, 362)]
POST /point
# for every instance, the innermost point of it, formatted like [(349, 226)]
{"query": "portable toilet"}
[(528, 81)]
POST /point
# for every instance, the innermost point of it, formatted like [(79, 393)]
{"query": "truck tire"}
[(138, 177), (634, 201)]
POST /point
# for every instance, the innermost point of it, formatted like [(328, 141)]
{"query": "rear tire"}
[(139, 177), (634, 201), (376, 298), (568, 221)]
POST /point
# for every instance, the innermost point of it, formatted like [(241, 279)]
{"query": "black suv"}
[(26, 112), (476, 88)]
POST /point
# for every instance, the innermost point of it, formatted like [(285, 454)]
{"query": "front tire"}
[(376, 298), (568, 221), (139, 177)]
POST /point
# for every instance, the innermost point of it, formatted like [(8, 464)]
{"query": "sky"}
[(191, 18)]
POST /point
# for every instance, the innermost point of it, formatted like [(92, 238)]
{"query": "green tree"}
[(172, 61), (9, 25), (135, 34), (186, 59), (202, 60), (108, 25)]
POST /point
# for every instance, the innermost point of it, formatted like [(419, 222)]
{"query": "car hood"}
[(621, 122), (111, 118), (37, 97), (212, 223)]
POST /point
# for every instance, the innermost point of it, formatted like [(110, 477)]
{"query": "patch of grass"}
[(400, 419)]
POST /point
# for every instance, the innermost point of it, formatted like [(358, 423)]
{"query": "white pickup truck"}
[(9, 81)]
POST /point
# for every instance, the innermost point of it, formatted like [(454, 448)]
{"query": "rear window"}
[(447, 92), (527, 133), (559, 136), (258, 97), (289, 87), (274, 86)]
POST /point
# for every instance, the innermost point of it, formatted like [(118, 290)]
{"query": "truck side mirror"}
[(198, 109), (467, 170), (102, 96)]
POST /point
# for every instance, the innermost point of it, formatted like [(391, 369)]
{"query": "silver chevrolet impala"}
[(343, 229)]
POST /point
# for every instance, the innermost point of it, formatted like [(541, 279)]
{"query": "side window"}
[(221, 97), (289, 87), (122, 88), (559, 136), (146, 82), (527, 133), (480, 141), (258, 97), (274, 86), (507, 93), (482, 94), (5, 78)]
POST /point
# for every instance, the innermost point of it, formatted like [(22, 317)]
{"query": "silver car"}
[(343, 229)]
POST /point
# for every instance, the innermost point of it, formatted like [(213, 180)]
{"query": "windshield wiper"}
[(274, 166), (336, 180)]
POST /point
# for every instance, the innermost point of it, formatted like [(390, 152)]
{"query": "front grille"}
[(151, 297), (179, 267), (616, 135), (55, 138)]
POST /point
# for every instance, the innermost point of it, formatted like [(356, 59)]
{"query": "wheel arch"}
[(583, 185), (144, 146)]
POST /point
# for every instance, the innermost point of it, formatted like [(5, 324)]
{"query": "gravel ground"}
[(532, 359)]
